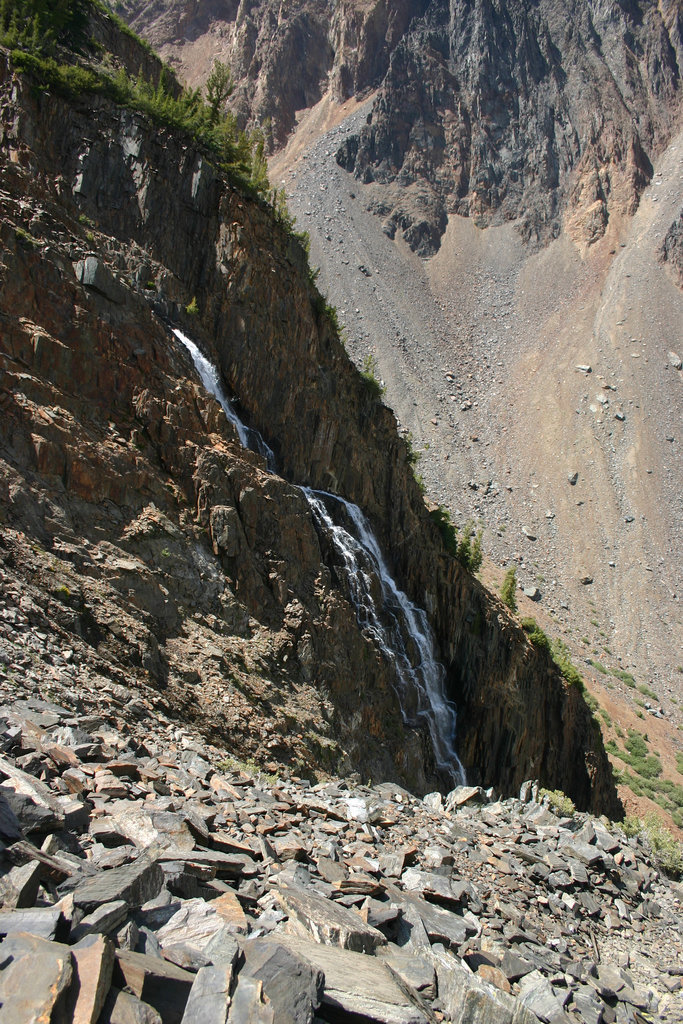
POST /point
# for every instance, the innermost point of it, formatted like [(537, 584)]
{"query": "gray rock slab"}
[(414, 970), (135, 883), (514, 967), (103, 920), (10, 829), (437, 888), (225, 865), (248, 1004), (411, 933), (585, 854), (92, 962), (293, 986), (125, 1008), (46, 922), (357, 984), (92, 273), (462, 795), (194, 923), (588, 1005), (312, 915), (440, 925), (209, 999), (537, 994), (34, 816), (222, 949), (19, 887), (46, 964), (187, 957), (155, 981), (465, 997), (148, 827)]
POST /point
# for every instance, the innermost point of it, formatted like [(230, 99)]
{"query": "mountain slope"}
[(517, 142), (177, 557)]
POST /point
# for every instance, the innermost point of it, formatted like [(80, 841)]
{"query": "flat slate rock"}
[(292, 985), (46, 964), (195, 923), (327, 922), (357, 984), (209, 999), (44, 922), (467, 997), (125, 1008), (155, 981), (136, 883), (439, 924), (92, 962)]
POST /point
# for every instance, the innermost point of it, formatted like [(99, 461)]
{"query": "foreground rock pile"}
[(148, 877)]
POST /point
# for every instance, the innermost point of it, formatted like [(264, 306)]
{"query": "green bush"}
[(34, 28), (39, 25), (668, 852), (625, 677), (636, 755), (442, 517), (508, 591), (369, 374), (559, 802), (469, 551), (536, 635)]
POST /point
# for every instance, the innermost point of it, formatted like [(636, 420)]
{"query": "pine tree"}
[(477, 554), (219, 86), (508, 591)]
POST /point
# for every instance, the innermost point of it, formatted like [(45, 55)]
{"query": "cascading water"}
[(249, 438), (398, 627)]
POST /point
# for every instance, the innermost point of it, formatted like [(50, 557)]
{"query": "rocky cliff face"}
[(548, 114), (341, 45), (139, 532)]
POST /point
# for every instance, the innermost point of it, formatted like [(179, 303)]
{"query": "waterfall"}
[(399, 628), (208, 373)]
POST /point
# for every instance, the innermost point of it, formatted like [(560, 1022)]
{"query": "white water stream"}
[(208, 373), (399, 628)]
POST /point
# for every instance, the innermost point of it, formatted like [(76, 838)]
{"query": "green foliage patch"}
[(48, 40), (508, 591), (369, 373), (467, 547), (636, 754), (40, 25), (536, 635), (562, 658), (559, 802)]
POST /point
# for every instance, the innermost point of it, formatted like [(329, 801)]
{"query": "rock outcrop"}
[(671, 251), (548, 115), (177, 557)]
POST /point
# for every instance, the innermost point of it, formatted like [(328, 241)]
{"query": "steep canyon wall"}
[(211, 569)]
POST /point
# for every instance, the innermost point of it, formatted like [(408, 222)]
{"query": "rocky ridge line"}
[(550, 116)]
